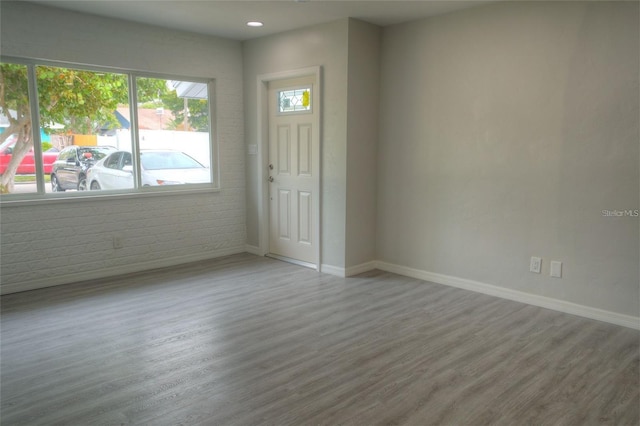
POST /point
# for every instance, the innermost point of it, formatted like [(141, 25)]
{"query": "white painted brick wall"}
[(66, 241)]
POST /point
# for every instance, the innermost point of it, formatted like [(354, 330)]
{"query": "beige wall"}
[(505, 131), (325, 46), (502, 133), (362, 135), (348, 51)]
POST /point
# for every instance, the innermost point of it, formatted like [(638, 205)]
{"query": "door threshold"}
[(294, 261)]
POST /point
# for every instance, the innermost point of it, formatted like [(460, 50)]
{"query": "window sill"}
[(47, 199)]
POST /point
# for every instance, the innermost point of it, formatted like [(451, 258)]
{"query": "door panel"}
[(305, 139), (284, 149), (284, 214), (293, 146), (304, 217)]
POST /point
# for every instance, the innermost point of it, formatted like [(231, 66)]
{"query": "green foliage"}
[(198, 118), (46, 146), (150, 89), (79, 99), (14, 93)]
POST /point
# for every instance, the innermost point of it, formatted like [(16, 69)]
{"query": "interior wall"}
[(505, 132), (322, 45), (363, 102), (56, 242)]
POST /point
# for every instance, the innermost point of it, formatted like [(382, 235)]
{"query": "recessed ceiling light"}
[(254, 24)]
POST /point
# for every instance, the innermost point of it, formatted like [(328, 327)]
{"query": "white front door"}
[(293, 159)]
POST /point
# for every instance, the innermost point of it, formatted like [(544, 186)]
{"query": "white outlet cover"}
[(117, 242), (556, 269)]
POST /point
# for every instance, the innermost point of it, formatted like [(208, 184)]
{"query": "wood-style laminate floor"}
[(244, 340)]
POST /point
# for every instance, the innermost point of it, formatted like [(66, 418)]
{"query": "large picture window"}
[(101, 131)]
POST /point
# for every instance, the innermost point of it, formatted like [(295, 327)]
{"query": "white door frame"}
[(263, 155)]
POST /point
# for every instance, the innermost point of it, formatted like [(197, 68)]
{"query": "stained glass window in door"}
[(294, 100)]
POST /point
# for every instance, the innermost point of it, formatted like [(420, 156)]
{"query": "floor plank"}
[(245, 340)]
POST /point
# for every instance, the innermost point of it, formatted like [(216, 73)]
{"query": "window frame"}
[(132, 75)]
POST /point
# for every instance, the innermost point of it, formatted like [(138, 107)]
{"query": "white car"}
[(159, 167)]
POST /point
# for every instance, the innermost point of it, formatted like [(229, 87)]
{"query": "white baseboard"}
[(350, 271), (115, 271), (360, 269), (515, 295), (479, 287), (333, 270)]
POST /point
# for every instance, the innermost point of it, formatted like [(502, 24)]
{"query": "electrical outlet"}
[(556, 269), (117, 241), (535, 265)]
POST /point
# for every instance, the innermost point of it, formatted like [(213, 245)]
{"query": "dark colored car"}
[(69, 171)]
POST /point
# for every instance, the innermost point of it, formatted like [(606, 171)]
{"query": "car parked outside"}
[(158, 167), (27, 166), (69, 171)]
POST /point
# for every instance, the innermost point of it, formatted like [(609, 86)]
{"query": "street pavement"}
[(28, 188)]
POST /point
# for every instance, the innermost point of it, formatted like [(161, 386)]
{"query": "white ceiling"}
[(227, 18)]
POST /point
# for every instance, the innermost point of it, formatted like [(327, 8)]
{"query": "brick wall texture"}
[(55, 242)]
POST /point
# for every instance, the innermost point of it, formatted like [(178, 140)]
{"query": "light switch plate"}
[(535, 265), (556, 269)]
